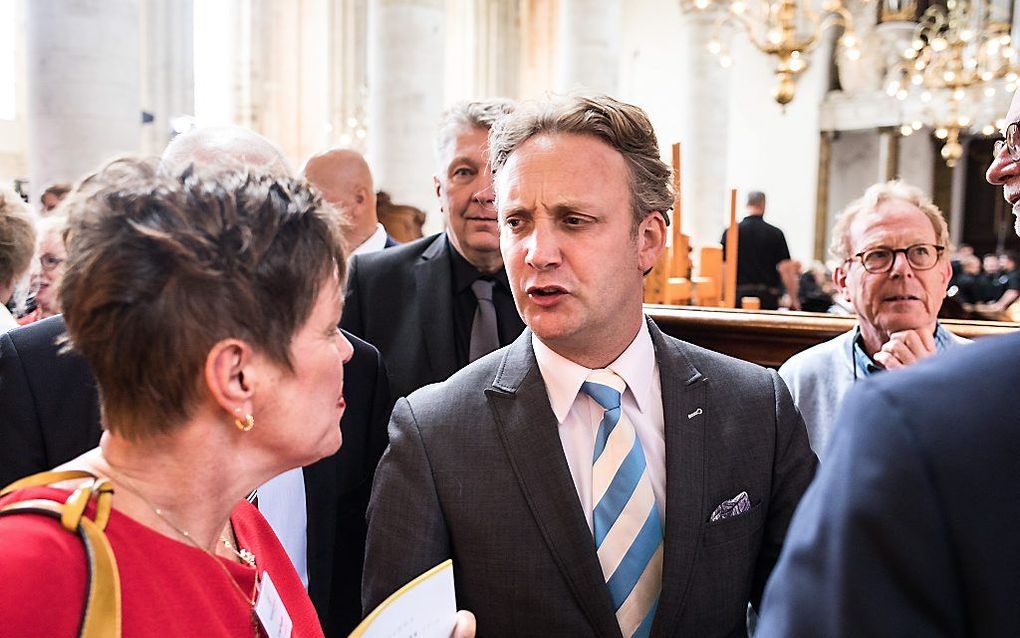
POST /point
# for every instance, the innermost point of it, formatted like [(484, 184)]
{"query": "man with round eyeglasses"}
[(894, 270)]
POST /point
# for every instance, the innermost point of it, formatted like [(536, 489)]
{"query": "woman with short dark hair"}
[(207, 308)]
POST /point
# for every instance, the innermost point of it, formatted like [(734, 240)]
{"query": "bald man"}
[(49, 413), (224, 148), (345, 181)]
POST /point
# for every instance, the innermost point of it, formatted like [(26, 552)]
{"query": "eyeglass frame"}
[(1012, 148), (50, 263), (939, 250)]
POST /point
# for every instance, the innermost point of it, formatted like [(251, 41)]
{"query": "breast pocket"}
[(734, 528)]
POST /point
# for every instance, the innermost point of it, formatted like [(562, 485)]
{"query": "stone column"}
[(704, 132), (888, 154), (348, 69), (82, 67), (168, 79), (497, 47), (589, 41), (958, 197), (405, 98)]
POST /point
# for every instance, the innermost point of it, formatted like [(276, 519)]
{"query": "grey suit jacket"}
[(475, 471)]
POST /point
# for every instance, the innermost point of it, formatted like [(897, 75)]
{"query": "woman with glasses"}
[(48, 268), (17, 242)]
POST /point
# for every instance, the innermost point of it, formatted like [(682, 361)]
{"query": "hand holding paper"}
[(426, 607), (465, 625)]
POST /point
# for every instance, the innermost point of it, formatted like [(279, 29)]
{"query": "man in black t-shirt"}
[(764, 267)]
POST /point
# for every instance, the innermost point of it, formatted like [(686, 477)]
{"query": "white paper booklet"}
[(423, 608)]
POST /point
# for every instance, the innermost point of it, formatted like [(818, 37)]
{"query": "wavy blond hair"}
[(841, 247)]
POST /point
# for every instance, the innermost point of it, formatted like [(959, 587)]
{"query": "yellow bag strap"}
[(43, 479), (101, 617)]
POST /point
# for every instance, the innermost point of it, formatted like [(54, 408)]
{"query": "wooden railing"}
[(770, 338)]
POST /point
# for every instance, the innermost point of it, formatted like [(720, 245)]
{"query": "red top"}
[(168, 588)]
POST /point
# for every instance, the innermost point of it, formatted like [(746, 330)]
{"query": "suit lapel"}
[(528, 429), (320, 481), (435, 307), (686, 416)]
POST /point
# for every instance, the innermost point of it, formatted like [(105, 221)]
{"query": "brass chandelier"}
[(788, 30), (958, 59)]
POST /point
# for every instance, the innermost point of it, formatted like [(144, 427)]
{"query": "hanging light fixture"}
[(959, 58), (788, 30)]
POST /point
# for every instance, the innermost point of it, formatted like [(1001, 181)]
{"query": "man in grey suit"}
[(595, 477)]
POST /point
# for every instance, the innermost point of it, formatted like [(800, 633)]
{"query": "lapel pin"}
[(694, 414)]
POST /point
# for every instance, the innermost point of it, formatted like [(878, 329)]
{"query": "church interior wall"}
[(854, 165), (761, 147), (775, 150), (300, 72), (917, 157)]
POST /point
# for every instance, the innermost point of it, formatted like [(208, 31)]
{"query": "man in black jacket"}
[(436, 304)]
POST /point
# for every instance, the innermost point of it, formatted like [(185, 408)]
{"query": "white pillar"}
[(704, 132), (589, 40), (168, 80), (83, 71), (958, 195), (497, 47), (405, 97)]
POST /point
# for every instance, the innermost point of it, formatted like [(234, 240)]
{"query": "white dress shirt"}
[(377, 241), (579, 415), (7, 320), (282, 503)]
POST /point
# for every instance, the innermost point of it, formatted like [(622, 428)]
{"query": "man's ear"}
[(947, 272), (651, 240), (231, 375), (359, 195), (439, 188), (839, 279)]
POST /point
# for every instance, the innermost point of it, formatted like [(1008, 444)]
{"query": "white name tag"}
[(270, 610)]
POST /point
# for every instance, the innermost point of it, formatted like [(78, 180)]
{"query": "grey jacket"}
[(820, 376), (476, 472)]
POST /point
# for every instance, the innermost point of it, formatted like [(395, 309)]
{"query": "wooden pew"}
[(770, 338)]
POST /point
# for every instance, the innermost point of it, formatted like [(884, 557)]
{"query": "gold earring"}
[(247, 424)]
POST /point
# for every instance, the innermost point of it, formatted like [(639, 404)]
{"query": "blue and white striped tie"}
[(625, 518)]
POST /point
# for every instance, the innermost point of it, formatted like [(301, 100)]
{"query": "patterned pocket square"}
[(731, 507)]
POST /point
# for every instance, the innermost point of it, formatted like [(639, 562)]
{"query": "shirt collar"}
[(943, 338), (866, 367), (377, 241), (464, 273), (563, 377)]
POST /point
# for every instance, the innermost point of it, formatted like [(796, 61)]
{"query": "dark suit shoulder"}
[(49, 406), (962, 400), (39, 337), (400, 256), (365, 356), (716, 366), (465, 389), (986, 366), (50, 370)]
